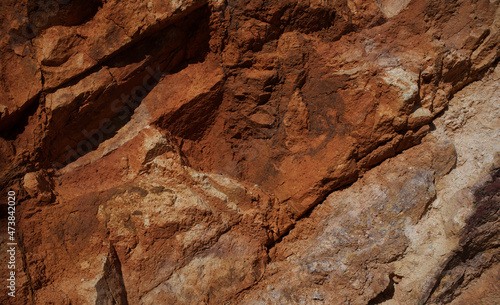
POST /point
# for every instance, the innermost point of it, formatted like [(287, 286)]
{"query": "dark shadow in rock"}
[(111, 288), (385, 295), (166, 52), (45, 14)]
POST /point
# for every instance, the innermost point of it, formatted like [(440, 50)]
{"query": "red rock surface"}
[(252, 152)]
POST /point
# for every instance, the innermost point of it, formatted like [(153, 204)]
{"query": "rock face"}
[(252, 152)]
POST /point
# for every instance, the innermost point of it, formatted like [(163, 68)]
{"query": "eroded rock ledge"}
[(253, 152)]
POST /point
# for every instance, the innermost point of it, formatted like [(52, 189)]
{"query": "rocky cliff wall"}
[(252, 152)]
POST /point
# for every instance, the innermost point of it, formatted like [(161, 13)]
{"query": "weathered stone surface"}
[(252, 152)]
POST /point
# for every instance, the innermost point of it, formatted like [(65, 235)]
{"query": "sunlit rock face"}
[(251, 152)]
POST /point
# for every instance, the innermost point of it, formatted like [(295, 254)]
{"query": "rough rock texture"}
[(252, 152)]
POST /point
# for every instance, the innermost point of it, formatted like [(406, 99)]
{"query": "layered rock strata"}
[(252, 152)]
